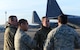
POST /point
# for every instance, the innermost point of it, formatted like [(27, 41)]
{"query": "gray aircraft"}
[(52, 12), (2, 28), (36, 22)]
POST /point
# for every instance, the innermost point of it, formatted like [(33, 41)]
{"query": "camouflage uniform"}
[(23, 41), (62, 38), (9, 37), (41, 36)]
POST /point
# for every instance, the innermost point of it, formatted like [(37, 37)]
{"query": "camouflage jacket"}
[(23, 41), (9, 37), (41, 36), (62, 38)]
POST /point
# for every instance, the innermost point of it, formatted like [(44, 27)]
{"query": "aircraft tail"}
[(53, 9), (35, 18)]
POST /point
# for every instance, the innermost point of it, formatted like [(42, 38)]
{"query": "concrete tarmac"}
[(30, 32)]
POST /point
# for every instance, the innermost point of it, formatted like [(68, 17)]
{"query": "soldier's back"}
[(64, 38)]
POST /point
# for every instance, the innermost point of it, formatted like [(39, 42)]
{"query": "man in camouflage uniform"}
[(63, 37), (9, 33), (22, 40), (41, 35)]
